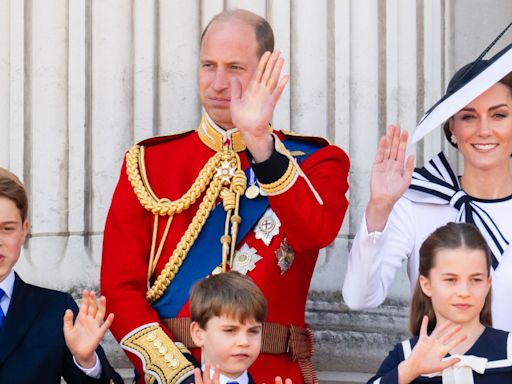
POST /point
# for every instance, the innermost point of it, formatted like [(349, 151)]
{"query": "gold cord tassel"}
[(238, 185), (221, 176)]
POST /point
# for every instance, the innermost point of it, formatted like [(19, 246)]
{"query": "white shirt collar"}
[(7, 286), (242, 379)]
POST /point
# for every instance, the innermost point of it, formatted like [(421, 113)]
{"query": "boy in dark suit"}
[(39, 342)]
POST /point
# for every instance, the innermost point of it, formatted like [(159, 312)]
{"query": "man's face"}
[(229, 343), (12, 235), (228, 50)]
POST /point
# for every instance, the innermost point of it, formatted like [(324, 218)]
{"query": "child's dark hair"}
[(449, 236), (231, 294), (12, 188)]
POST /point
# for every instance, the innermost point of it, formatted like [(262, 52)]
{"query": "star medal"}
[(226, 171), (245, 259), (252, 190), (267, 227), (285, 255)]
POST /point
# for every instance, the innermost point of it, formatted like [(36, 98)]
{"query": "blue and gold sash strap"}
[(205, 254)]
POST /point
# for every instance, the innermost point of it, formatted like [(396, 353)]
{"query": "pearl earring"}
[(453, 139)]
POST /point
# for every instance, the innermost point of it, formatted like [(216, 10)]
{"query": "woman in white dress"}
[(406, 205)]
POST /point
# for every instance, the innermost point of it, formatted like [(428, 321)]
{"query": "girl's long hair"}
[(449, 236)]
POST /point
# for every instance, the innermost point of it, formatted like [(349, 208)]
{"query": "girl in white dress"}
[(451, 317)]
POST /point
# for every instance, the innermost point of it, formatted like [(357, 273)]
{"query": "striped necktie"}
[(2, 315), (436, 183)]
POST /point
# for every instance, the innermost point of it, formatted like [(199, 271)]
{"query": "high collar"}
[(216, 138)]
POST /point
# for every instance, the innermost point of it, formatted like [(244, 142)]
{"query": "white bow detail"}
[(462, 372)]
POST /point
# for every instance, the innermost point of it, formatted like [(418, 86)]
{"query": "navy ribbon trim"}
[(206, 252), (438, 179)]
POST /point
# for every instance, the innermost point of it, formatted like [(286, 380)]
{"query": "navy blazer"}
[(32, 345)]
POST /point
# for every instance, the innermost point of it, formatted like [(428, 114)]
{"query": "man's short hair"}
[(12, 188), (262, 29), (227, 294)]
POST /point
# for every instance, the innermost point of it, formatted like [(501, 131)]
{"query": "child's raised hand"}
[(278, 380), (84, 335), (206, 378), (428, 353)]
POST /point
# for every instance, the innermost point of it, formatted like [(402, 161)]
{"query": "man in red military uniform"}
[(234, 194)]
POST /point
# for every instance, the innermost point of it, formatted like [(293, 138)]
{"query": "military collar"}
[(216, 138)]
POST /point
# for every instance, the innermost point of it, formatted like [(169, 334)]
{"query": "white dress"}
[(375, 257)]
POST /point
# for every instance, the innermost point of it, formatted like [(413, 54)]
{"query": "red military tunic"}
[(172, 165)]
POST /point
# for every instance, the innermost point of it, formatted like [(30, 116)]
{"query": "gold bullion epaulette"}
[(164, 138), (162, 359)]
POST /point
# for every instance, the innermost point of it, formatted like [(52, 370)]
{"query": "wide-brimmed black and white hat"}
[(467, 84)]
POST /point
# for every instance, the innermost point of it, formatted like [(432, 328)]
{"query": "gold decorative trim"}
[(291, 175), (284, 182), (213, 179), (161, 358), (187, 240), (215, 138), (288, 178), (146, 196)]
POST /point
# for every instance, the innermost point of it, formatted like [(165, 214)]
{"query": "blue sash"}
[(206, 252)]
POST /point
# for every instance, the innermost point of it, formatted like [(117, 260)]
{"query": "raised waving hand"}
[(251, 110), (84, 334), (206, 377), (390, 178), (428, 353)]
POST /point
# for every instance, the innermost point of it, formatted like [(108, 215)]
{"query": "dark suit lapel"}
[(23, 310)]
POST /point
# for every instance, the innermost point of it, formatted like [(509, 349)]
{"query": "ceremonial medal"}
[(285, 255), (252, 191), (245, 259), (267, 227), (225, 172)]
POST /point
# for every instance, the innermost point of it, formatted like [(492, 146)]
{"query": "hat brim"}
[(500, 65)]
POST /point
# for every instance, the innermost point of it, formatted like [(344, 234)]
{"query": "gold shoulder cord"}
[(222, 175)]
